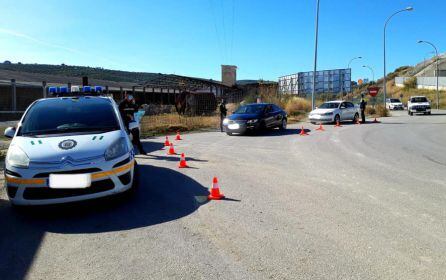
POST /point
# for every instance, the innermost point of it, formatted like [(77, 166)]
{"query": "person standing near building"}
[(362, 106), (223, 112), (127, 108)]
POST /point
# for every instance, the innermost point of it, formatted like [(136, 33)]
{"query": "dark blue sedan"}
[(254, 117)]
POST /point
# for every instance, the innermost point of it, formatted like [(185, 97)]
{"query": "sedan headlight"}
[(226, 121), (328, 114), (117, 149), (17, 158), (252, 121)]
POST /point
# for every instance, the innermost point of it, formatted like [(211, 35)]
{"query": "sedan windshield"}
[(418, 99), (68, 115), (250, 109), (329, 105)]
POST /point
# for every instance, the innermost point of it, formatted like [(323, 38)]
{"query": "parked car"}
[(335, 111), (418, 104), (394, 104), (68, 149), (254, 117)]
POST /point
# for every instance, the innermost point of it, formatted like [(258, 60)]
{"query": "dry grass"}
[(297, 106), (382, 111), (167, 123), (377, 111), (2, 155)]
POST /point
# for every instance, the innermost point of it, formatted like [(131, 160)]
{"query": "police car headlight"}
[(117, 149), (252, 121), (226, 121), (17, 158)]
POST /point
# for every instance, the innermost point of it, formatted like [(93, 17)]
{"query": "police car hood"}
[(420, 103), (59, 148)]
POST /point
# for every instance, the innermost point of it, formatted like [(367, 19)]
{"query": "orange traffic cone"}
[(321, 128), (338, 124), (358, 122), (183, 163), (178, 137), (302, 132), (375, 121), (171, 150), (167, 143), (215, 191)]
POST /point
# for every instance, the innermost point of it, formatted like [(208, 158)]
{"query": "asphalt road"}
[(355, 202)]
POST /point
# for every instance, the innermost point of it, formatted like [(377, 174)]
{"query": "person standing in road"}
[(223, 112), (362, 106), (127, 108)]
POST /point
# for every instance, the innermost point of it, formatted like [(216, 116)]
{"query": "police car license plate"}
[(234, 126), (69, 181)]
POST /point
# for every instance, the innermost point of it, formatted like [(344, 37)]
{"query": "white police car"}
[(68, 149)]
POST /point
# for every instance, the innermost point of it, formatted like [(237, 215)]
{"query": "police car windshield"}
[(418, 99), (69, 115), (329, 105), (250, 109)]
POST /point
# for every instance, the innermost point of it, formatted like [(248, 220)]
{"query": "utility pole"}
[(315, 56)]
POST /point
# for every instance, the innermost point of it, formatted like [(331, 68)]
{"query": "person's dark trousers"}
[(222, 117), (363, 116), (136, 141)]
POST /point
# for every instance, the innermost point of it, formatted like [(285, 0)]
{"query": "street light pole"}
[(348, 67), (408, 9), (371, 69), (436, 66), (315, 56)]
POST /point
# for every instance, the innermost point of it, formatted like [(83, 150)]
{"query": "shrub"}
[(297, 105), (410, 83), (382, 111), (370, 110)]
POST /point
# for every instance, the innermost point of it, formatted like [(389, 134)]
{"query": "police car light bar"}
[(74, 91)]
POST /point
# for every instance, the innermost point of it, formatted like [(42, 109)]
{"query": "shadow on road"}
[(272, 132), (163, 195), (152, 146)]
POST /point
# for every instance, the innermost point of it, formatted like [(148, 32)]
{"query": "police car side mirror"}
[(10, 132)]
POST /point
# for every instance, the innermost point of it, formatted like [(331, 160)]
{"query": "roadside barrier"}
[(215, 191), (183, 163), (320, 128), (303, 132), (167, 143), (171, 150), (178, 137)]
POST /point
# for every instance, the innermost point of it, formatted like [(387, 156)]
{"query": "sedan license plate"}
[(69, 181), (234, 126)]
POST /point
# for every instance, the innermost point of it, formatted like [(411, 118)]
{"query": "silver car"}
[(335, 111)]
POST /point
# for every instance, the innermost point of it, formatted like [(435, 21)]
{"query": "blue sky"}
[(264, 38)]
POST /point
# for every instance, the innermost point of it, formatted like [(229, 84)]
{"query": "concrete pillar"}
[(14, 95)]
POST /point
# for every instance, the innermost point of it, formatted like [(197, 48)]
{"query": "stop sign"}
[(373, 91)]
